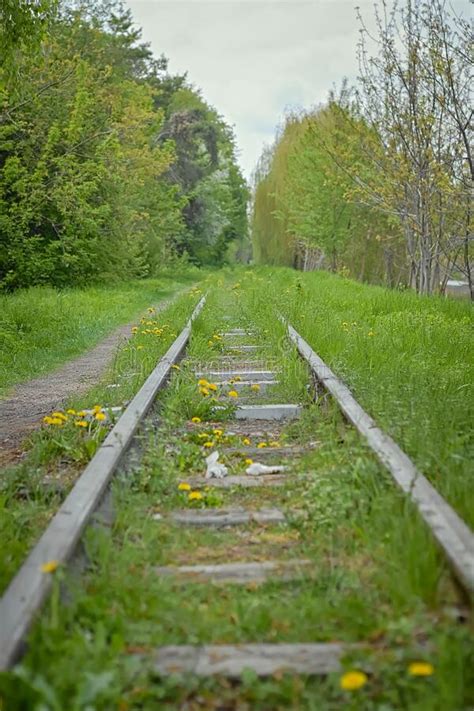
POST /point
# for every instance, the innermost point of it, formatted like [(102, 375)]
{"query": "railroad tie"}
[(285, 411), (250, 420), (243, 384), (253, 573), (218, 518), (244, 480), (256, 374), (263, 659)]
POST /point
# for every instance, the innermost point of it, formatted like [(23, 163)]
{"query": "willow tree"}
[(305, 210), (271, 241)]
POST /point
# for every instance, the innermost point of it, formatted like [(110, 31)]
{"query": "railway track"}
[(248, 414)]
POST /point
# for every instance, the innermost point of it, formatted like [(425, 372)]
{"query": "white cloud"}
[(255, 58)]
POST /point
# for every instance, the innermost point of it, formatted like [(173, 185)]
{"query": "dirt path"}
[(22, 411)]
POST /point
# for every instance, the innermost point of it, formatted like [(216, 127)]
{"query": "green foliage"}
[(107, 164), (28, 492), (40, 327), (376, 576), (408, 361), (207, 174), (22, 24), (303, 212), (378, 182)]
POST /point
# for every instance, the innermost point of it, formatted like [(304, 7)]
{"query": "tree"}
[(22, 25), (207, 174), (107, 163), (408, 95)]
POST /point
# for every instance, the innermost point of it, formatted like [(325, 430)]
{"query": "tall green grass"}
[(32, 490), (41, 328), (408, 360), (377, 577)]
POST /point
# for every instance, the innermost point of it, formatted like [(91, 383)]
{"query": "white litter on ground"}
[(256, 469), (215, 470)]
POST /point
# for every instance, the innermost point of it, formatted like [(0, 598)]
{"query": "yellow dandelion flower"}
[(233, 393), (261, 445), (81, 413), (208, 444), (50, 566), (176, 367), (203, 435), (204, 392), (101, 416), (184, 486), (246, 441), (151, 310), (237, 378), (71, 412), (218, 433), (58, 421), (195, 496), (81, 423), (203, 383), (248, 462), (59, 415), (134, 329), (353, 680), (96, 409), (48, 420), (196, 420), (255, 387), (420, 669), (212, 386), (274, 444), (210, 343)]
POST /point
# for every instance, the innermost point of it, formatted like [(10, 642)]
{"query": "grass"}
[(377, 576), (41, 328), (407, 359), (31, 491)]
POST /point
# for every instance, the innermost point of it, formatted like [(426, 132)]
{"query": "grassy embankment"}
[(408, 360), (41, 328), (31, 491), (376, 574)]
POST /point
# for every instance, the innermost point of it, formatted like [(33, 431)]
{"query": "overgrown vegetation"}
[(378, 182), (40, 327), (31, 491), (408, 361), (109, 165), (376, 575)]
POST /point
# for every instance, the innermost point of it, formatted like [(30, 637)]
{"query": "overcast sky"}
[(253, 59)]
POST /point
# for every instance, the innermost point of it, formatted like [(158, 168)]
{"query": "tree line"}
[(377, 183), (110, 166)]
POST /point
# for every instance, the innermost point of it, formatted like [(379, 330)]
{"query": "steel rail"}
[(453, 535), (29, 588)]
